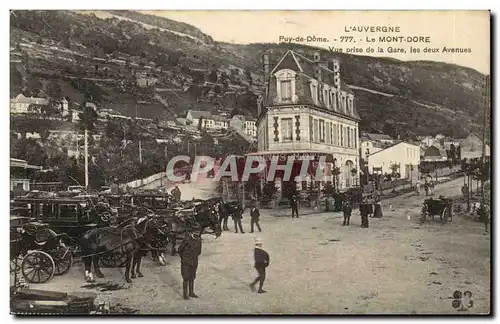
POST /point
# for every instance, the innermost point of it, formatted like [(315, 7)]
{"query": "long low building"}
[(20, 173)]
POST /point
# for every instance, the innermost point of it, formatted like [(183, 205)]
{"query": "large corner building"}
[(306, 112)]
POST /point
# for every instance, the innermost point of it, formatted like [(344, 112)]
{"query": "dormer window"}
[(286, 90), (314, 91), (334, 99), (285, 86), (326, 96)]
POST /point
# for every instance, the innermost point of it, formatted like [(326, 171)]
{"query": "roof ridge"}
[(311, 61)]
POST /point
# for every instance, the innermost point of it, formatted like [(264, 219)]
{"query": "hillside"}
[(160, 68)]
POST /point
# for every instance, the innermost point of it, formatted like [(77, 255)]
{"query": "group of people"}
[(237, 216), (366, 210)]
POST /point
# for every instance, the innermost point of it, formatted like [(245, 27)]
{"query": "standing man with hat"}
[(294, 202), (189, 251), (364, 210), (254, 218), (347, 209), (261, 263), (237, 215)]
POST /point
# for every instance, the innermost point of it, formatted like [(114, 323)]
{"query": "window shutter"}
[(297, 127), (276, 131)]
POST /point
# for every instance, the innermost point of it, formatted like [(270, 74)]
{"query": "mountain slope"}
[(104, 55)]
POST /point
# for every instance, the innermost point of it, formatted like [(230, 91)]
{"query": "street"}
[(396, 266)]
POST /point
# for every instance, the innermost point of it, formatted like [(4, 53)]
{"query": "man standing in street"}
[(363, 210), (347, 209), (254, 218), (189, 251), (237, 216), (294, 202), (261, 263)]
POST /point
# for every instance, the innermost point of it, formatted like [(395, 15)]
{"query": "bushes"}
[(268, 192)]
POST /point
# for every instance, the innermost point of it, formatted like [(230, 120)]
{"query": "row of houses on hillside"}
[(204, 120), (22, 105), (439, 140)]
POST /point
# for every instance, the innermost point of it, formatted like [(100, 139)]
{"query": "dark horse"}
[(227, 209), (203, 215), (127, 240)]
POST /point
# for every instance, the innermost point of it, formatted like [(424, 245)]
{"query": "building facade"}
[(194, 116), (404, 155), (472, 147), (214, 122), (306, 110), (20, 104), (368, 147), (20, 173), (250, 127), (435, 153)]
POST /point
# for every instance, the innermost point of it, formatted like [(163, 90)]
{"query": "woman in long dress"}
[(378, 209)]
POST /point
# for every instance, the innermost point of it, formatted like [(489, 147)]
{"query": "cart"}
[(442, 207)]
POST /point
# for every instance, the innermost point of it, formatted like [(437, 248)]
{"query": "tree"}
[(212, 77), (453, 154), (248, 75), (394, 171), (390, 130), (54, 90), (88, 118)]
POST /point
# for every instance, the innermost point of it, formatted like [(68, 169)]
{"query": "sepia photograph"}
[(251, 162)]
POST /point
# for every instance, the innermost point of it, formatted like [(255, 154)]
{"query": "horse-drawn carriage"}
[(62, 228), (71, 216), (442, 207), (152, 200), (53, 223), (38, 252)]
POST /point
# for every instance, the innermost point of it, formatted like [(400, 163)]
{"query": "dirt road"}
[(319, 266)]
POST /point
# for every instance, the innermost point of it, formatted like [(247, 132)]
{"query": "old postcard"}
[(250, 162)]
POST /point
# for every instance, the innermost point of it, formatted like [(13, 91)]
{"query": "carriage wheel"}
[(38, 267), (113, 260), (63, 259)]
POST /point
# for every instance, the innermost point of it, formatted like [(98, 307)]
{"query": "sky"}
[(456, 29)]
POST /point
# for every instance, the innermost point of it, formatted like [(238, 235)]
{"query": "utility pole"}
[(77, 149), (140, 144), (483, 198), (140, 152), (86, 160)]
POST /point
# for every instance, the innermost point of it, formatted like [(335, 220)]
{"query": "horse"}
[(151, 239), (202, 216), (227, 209), (126, 240)]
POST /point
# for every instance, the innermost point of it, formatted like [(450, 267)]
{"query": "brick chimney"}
[(265, 65), (335, 67)]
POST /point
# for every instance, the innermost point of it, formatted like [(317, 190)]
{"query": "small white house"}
[(194, 116), (20, 104), (403, 154)]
